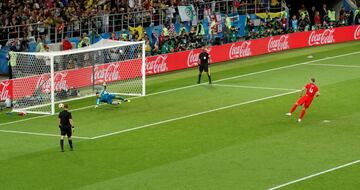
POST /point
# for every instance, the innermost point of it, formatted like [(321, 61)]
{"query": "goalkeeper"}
[(106, 97)]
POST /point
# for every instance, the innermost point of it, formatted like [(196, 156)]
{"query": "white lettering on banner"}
[(278, 44), (323, 37), (157, 66), (193, 59), (44, 82), (4, 91), (357, 33), (106, 73), (242, 50)]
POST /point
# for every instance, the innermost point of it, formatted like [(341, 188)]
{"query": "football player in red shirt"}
[(311, 91)]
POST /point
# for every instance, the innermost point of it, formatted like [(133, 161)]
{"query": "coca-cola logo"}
[(60, 83), (5, 90), (357, 33), (158, 65), (193, 58), (107, 73), (278, 44), (242, 50), (322, 37)]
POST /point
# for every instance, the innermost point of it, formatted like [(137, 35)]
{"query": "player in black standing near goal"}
[(66, 126), (204, 61)]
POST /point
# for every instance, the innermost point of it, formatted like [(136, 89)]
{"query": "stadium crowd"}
[(301, 20), (50, 12)]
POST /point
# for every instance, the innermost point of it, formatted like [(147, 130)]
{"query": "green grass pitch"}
[(227, 136)]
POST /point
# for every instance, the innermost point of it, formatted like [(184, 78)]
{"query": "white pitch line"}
[(314, 175), (195, 114), (253, 87), (22, 120), (39, 134), (190, 86), (336, 65)]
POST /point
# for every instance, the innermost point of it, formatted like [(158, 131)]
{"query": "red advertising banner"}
[(5, 89), (77, 78), (176, 61)]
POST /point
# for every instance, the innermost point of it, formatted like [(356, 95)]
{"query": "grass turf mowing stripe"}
[(190, 86), (195, 114), (253, 87), (39, 134), (314, 175)]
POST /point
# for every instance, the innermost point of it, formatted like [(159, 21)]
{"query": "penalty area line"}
[(314, 175), (39, 134), (193, 115)]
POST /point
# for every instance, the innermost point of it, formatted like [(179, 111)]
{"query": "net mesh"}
[(77, 74)]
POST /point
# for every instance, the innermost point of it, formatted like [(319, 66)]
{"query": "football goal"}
[(41, 80)]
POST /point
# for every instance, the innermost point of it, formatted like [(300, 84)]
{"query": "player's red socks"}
[(302, 113), (293, 108)]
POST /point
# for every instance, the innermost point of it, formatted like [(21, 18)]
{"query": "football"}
[(61, 105)]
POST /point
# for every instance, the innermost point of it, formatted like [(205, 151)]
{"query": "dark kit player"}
[(66, 126), (311, 91), (204, 61)]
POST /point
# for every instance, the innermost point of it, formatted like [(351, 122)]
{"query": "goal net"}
[(41, 80)]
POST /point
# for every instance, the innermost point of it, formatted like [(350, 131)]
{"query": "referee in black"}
[(65, 125), (204, 61)]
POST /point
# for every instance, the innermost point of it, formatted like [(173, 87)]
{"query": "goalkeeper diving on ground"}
[(106, 97)]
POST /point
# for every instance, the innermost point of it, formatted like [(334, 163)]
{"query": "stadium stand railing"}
[(118, 22)]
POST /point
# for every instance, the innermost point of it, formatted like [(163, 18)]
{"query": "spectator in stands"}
[(200, 31), (350, 18), (233, 34), (113, 36), (84, 41), (312, 16), (183, 41), (147, 46), (294, 24), (41, 46), (213, 27), (66, 43), (342, 17), (324, 11), (357, 18), (317, 20), (182, 28), (331, 15), (268, 17), (284, 23)]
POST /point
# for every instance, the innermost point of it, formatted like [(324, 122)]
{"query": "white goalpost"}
[(41, 80)]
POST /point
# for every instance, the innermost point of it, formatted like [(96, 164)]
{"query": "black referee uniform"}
[(204, 62), (65, 125)]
